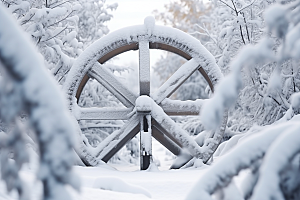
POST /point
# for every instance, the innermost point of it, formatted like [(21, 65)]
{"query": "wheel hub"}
[(143, 104)]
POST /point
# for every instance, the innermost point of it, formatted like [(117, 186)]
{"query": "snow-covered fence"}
[(161, 126), (27, 86)]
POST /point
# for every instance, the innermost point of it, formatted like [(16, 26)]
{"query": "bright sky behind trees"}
[(133, 12)]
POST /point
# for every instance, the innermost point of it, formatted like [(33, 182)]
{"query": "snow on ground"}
[(124, 181), (171, 184)]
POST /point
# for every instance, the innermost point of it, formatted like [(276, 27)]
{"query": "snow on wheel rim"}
[(143, 38)]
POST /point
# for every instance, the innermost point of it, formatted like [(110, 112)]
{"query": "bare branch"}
[(55, 35), (61, 19), (247, 6), (59, 4), (246, 26), (227, 5), (24, 22)]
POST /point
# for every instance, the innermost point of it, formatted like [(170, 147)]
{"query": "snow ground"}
[(164, 185), (171, 184), (123, 181)]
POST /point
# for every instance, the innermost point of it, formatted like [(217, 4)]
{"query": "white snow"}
[(144, 61), (149, 22), (280, 154), (242, 157), (118, 185), (143, 104), (110, 184)]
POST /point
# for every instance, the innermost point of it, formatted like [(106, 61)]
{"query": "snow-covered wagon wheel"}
[(147, 113)]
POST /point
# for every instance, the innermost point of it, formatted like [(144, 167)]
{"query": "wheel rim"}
[(89, 65)]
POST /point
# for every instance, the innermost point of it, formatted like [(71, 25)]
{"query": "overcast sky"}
[(133, 12)]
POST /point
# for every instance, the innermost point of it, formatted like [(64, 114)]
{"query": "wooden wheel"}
[(147, 112)]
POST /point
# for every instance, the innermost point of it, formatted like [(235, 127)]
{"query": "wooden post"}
[(146, 153)]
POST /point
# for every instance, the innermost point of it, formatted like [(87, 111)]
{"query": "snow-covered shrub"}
[(225, 27), (270, 153), (27, 87)]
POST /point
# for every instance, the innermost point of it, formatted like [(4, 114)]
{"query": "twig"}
[(55, 35), (227, 5), (246, 26), (59, 4), (61, 19), (247, 6), (24, 22)]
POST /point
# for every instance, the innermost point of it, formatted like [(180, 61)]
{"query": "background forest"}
[(256, 44)]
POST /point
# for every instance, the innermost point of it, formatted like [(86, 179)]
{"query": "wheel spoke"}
[(144, 67), (177, 107), (114, 142), (166, 133), (164, 140), (112, 84), (180, 135), (175, 81), (105, 113)]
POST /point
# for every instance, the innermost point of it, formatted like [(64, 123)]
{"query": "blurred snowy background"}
[(255, 43)]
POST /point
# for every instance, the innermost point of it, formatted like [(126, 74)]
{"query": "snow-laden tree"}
[(182, 14), (92, 20), (61, 29), (230, 26), (224, 29), (270, 154), (27, 88)]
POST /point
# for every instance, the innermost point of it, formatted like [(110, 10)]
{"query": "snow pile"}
[(152, 168), (149, 22), (118, 185), (143, 104)]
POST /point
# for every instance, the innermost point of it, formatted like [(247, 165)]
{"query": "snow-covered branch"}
[(38, 94)]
